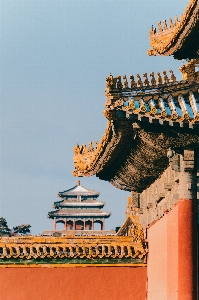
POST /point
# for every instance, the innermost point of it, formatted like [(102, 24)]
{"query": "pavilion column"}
[(54, 224), (102, 225), (73, 224), (84, 224), (92, 225), (65, 224)]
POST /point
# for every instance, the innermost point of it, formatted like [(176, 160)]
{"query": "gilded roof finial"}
[(125, 82), (139, 81), (176, 20), (171, 23), (119, 83), (132, 82), (159, 78), (165, 24), (78, 182), (90, 148), (153, 81), (165, 77), (146, 81), (152, 31), (76, 149), (160, 27), (188, 70), (172, 76), (85, 150), (96, 144)]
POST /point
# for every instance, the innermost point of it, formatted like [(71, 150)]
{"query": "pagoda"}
[(78, 209)]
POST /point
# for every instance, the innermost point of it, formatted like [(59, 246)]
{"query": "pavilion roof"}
[(64, 212), (180, 37), (86, 203), (78, 190), (144, 120)]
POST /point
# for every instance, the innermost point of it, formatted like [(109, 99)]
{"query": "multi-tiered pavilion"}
[(79, 209)]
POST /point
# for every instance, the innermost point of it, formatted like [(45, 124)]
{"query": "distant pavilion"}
[(78, 209)]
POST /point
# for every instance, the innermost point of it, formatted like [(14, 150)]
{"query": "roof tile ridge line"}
[(181, 22), (93, 191), (68, 190), (185, 23), (123, 225), (141, 90), (178, 27)]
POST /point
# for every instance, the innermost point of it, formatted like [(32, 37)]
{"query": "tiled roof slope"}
[(86, 203), (78, 190), (79, 212), (145, 118)]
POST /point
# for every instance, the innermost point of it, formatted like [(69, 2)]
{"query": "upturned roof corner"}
[(180, 37)]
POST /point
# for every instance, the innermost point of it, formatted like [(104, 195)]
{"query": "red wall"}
[(172, 258), (163, 258), (86, 283)]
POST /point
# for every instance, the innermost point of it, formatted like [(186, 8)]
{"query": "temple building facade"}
[(79, 209)]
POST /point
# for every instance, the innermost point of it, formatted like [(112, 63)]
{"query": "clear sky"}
[(55, 56)]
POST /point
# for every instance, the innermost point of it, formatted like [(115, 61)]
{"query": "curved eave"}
[(78, 190), (51, 215), (182, 40), (79, 205), (88, 164), (67, 195), (133, 150)]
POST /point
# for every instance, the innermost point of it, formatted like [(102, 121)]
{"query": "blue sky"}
[(55, 56)]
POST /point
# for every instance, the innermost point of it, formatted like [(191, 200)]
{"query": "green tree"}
[(23, 229), (4, 229)]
